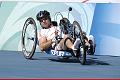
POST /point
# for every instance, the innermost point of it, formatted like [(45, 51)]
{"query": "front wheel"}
[(82, 50), (29, 38)]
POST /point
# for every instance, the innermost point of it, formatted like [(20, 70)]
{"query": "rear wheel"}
[(29, 38), (78, 34), (92, 48)]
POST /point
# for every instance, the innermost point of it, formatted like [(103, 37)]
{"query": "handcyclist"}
[(50, 35)]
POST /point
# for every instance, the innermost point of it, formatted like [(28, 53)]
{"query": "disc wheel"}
[(29, 38)]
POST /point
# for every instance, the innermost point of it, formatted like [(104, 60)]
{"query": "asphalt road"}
[(14, 65)]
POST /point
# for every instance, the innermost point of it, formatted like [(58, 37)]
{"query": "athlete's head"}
[(44, 18)]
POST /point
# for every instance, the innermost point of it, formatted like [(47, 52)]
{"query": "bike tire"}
[(82, 50), (92, 48), (27, 38)]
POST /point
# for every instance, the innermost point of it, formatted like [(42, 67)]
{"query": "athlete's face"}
[(45, 22)]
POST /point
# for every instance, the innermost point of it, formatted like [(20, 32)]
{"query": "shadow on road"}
[(91, 61)]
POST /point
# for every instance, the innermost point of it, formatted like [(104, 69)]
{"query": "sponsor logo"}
[(57, 53)]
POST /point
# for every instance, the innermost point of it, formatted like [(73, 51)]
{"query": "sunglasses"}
[(43, 19)]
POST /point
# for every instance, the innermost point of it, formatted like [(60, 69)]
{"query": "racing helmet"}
[(43, 14)]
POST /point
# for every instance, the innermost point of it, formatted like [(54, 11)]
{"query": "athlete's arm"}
[(44, 43)]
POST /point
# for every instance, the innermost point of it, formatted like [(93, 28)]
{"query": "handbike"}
[(29, 40)]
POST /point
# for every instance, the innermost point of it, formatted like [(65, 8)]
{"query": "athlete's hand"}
[(54, 39)]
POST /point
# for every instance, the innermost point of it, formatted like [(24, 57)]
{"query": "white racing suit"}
[(50, 34)]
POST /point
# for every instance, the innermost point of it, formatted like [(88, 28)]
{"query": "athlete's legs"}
[(67, 43)]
